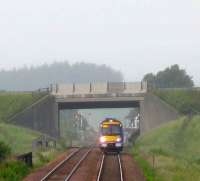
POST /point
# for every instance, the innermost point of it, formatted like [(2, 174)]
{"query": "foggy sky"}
[(134, 36)]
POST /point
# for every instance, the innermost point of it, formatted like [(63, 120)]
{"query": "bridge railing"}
[(99, 88)]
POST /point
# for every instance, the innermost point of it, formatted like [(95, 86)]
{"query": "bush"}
[(43, 158), (4, 151), (13, 171)]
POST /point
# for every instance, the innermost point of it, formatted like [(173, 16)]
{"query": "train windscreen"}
[(111, 130)]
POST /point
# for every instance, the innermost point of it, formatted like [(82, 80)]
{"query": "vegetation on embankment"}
[(13, 170), (12, 103), (18, 138), (172, 151), (184, 101), (10, 170)]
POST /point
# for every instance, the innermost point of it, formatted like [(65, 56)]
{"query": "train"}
[(111, 136)]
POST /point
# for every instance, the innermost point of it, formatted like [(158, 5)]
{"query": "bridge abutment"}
[(155, 112), (43, 116)]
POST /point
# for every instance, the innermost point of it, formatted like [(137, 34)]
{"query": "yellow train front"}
[(111, 135)]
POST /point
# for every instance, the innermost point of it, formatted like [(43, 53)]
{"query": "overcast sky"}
[(134, 36)]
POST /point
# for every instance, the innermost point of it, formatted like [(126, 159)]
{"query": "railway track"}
[(88, 164), (110, 169), (66, 169)]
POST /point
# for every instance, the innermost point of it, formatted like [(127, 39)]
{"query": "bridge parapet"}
[(99, 88)]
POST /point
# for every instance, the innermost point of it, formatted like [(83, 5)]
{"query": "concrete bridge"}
[(98, 88), (44, 115)]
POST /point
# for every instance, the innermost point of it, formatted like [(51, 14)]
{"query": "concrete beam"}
[(105, 99)]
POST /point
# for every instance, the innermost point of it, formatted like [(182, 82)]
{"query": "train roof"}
[(111, 121)]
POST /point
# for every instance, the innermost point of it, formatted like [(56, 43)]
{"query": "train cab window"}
[(106, 131), (111, 130), (116, 129)]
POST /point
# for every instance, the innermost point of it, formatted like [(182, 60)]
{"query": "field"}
[(172, 151)]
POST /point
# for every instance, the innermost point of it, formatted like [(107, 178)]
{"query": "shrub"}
[(4, 151), (43, 158), (13, 171)]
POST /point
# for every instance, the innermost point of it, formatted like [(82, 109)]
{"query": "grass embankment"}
[(184, 101), (171, 152), (13, 171), (19, 139), (12, 103)]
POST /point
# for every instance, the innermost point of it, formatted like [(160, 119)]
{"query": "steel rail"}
[(59, 165), (120, 168), (101, 168), (67, 178)]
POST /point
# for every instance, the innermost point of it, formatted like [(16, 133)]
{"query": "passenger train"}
[(111, 135)]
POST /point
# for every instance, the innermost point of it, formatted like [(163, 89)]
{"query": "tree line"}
[(32, 78), (171, 77)]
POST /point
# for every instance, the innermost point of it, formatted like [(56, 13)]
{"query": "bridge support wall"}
[(42, 117), (155, 112)]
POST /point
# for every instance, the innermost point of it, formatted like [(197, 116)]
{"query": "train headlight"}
[(102, 139), (119, 139)]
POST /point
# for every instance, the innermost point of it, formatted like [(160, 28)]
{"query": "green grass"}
[(41, 158), (18, 138), (185, 101), (13, 171), (12, 103), (175, 148), (149, 172), (20, 141), (5, 151)]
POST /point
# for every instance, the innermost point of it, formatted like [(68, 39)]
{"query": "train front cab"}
[(111, 136)]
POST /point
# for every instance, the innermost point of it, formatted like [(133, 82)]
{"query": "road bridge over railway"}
[(44, 115), (99, 95)]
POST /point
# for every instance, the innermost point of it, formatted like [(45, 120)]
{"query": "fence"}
[(27, 158), (43, 142)]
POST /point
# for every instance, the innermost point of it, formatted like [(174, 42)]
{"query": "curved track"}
[(68, 167), (110, 169)]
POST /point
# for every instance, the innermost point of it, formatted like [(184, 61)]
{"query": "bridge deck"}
[(103, 89)]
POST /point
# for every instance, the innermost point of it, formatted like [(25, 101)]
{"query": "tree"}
[(28, 79), (150, 79), (171, 77)]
